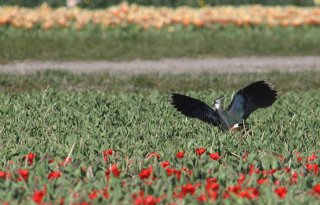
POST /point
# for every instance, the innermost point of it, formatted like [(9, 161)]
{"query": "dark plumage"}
[(260, 94)]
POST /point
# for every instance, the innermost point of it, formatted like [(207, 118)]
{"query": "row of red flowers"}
[(208, 190)]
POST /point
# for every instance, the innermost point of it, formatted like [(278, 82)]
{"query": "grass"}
[(49, 113), (94, 43)]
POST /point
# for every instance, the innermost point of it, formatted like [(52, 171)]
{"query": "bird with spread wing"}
[(260, 94)]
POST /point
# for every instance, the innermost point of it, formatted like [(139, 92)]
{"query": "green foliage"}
[(171, 3), (48, 122), (95, 43)]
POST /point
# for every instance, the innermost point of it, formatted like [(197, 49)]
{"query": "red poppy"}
[(165, 164), (30, 157), (200, 151), (38, 195), (180, 155), (24, 174), (145, 173), (215, 156), (316, 189), (281, 192), (54, 175)]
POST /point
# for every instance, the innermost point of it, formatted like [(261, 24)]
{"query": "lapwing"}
[(260, 94)]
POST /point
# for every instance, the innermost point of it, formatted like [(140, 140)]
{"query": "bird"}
[(259, 94)]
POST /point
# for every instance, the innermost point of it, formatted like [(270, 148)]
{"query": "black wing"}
[(194, 108), (260, 94)]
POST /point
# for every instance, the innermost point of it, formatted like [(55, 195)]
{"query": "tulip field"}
[(145, 32), (102, 139), (158, 17)]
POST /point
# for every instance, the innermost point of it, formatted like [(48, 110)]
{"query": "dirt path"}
[(219, 65)]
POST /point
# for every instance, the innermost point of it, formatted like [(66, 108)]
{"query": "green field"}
[(95, 43), (47, 113)]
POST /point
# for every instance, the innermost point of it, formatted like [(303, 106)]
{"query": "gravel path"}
[(218, 65)]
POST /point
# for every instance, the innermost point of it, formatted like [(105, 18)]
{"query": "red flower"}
[(235, 189), (188, 189), (170, 171), (165, 164), (148, 200), (213, 195), (93, 194), (287, 169), (299, 159), (105, 154), (178, 174), (241, 178), (200, 151), (38, 195), (145, 173), (253, 170), (180, 155), (250, 193), (262, 181), (312, 157), (3, 175), (211, 180), (30, 157), (312, 167), (276, 182), (215, 156), (54, 175), (24, 174), (316, 189), (108, 152), (210, 187), (115, 171), (281, 192), (202, 198), (105, 193), (294, 178)]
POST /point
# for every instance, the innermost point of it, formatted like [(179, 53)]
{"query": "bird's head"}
[(218, 103)]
